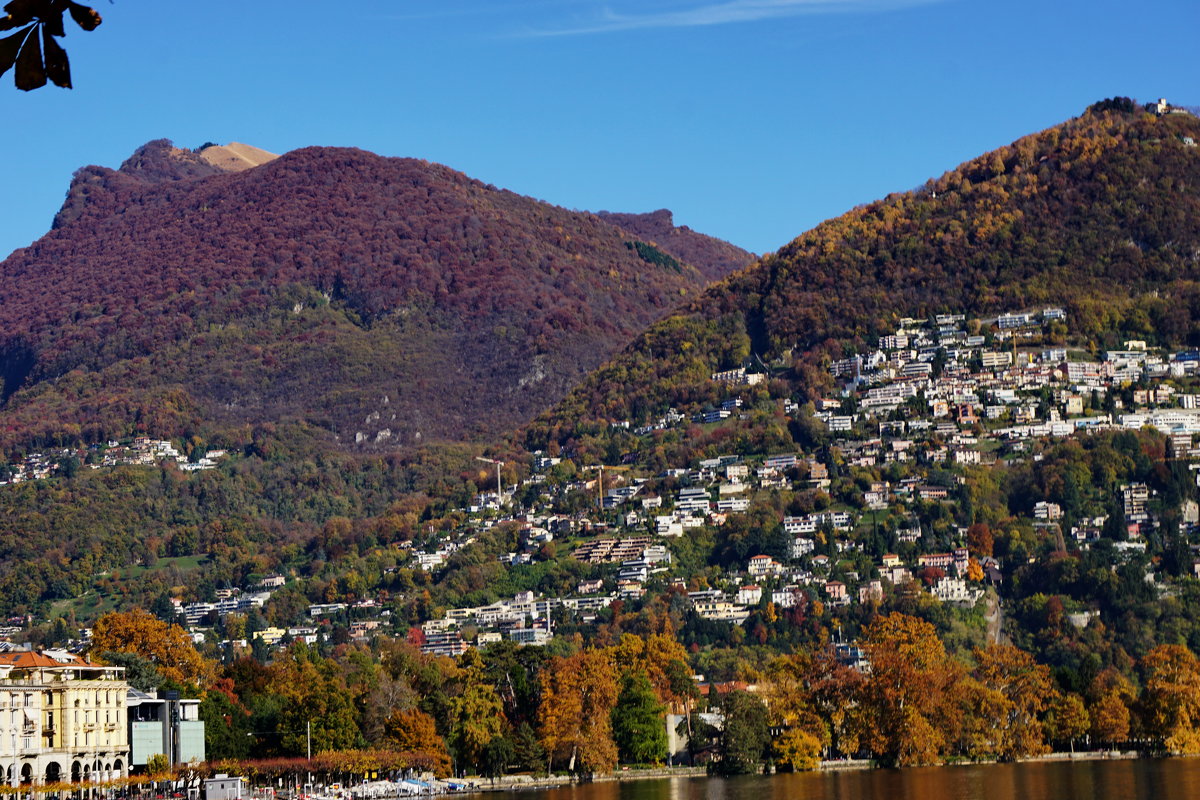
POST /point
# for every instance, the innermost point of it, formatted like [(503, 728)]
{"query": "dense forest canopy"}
[(1076, 624), (1100, 215), (392, 301)]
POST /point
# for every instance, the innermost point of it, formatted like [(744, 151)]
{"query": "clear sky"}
[(752, 120)]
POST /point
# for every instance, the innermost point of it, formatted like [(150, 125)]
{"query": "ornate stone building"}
[(62, 718)]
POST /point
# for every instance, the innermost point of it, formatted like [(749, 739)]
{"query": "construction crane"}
[(600, 493)]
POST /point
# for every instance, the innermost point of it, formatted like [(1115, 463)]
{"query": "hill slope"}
[(713, 257), (1100, 214), (387, 300)]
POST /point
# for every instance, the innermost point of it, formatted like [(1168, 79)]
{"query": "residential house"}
[(761, 566), (749, 595)]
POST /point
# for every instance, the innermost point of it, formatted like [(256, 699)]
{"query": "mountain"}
[(713, 257), (1100, 215), (387, 300), (235, 156)]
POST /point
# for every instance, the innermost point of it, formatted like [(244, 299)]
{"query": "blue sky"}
[(752, 120)]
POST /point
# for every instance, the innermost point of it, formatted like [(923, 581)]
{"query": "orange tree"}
[(1108, 700), (908, 708), (1171, 698), (574, 716), (414, 731), (1016, 692), (167, 646)]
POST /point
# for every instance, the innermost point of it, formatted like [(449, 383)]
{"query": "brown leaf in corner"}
[(85, 16)]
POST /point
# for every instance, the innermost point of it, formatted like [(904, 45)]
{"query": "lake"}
[(1154, 779)]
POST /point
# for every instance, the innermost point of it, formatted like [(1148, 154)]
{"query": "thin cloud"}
[(732, 11)]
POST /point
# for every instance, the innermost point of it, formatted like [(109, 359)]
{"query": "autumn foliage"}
[(167, 646), (330, 285), (1046, 220)]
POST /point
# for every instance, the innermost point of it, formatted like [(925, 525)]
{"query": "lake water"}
[(1164, 779)]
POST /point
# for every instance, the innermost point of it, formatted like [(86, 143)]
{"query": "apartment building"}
[(62, 718)]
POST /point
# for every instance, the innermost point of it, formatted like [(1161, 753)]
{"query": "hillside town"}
[(139, 451), (935, 398)]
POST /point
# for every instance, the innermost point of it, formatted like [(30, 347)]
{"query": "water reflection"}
[(1170, 779)]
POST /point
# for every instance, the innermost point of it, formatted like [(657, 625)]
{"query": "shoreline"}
[(516, 783)]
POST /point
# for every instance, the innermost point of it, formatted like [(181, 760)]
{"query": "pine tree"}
[(638, 723)]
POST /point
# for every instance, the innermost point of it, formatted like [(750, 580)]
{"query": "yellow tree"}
[(168, 646), (664, 661), (1068, 719), (1026, 691), (476, 712), (578, 695), (908, 701), (1109, 699), (788, 694), (980, 733), (974, 570), (1171, 697)]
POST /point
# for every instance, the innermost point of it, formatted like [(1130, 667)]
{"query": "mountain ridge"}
[(428, 266), (1042, 220)]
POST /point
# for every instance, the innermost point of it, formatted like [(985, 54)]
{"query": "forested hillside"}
[(1008, 483), (389, 301), (1100, 215)]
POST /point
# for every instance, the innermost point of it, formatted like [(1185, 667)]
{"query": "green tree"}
[(638, 722), (227, 732), (157, 764), (528, 753), (746, 737), (314, 699), (498, 754), (139, 672), (1068, 719)]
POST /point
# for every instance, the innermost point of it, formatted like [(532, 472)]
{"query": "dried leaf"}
[(23, 6), (24, 10), (84, 16), (9, 46), (53, 22), (30, 72), (58, 68)]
